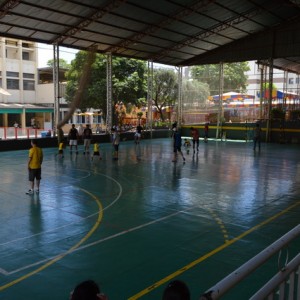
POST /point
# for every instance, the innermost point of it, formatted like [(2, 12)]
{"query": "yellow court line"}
[(204, 257), (60, 256)]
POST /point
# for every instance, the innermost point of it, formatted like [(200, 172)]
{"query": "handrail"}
[(280, 277), (232, 279)]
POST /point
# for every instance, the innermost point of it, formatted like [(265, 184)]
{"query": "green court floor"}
[(134, 224)]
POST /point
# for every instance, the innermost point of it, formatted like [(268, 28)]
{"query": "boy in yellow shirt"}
[(35, 161), (96, 151)]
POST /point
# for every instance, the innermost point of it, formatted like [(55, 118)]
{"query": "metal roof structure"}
[(171, 32)]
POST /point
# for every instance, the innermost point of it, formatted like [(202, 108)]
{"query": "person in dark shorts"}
[(35, 161), (177, 145), (195, 137), (73, 138)]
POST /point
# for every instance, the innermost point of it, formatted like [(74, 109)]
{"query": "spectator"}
[(98, 128), (87, 290), (176, 290)]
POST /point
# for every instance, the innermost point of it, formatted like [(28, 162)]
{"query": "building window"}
[(12, 74), (10, 42), (28, 85), (291, 80), (28, 75), (12, 84), (297, 80), (25, 55)]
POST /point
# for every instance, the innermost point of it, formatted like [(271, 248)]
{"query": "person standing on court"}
[(206, 132), (177, 145), (87, 137), (195, 137), (35, 161), (116, 142), (73, 138), (138, 134), (256, 138), (60, 135)]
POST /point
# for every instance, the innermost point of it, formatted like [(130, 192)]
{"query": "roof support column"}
[(56, 86), (268, 132), (180, 104), (150, 97), (108, 92), (221, 87), (261, 68), (285, 89)]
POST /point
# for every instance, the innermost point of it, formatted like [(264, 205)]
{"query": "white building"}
[(283, 81), (18, 76)]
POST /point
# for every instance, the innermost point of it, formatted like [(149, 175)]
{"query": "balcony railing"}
[(285, 284), (7, 133)]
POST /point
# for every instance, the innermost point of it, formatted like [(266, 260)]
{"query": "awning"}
[(17, 108), (39, 110), (231, 96), (10, 111)]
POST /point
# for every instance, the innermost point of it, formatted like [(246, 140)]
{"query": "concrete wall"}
[(47, 142)]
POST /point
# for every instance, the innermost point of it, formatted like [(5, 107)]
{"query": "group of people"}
[(178, 140), (36, 154), (89, 290)]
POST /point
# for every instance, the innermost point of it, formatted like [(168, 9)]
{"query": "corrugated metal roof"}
[(173, 32)]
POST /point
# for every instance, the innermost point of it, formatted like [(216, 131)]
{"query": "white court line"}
[(96, 242), (70, 224)]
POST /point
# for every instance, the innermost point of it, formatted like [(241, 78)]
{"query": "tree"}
[(194, 93), (235, 78), (128, 80), (164, 89), (62, 63)]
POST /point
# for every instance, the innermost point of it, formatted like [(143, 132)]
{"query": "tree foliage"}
[(165, 89), (235, 78), (194, 93), (62, 63), (129, 81)]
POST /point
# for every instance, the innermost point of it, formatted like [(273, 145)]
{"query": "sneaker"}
[(37, 191), (30, 192)]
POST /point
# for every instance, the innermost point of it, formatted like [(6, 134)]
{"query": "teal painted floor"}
[(134, 224)]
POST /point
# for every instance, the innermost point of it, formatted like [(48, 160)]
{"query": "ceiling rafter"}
[(174, 32), (153, 28), (88, 20), (5, 8), (209, 32)]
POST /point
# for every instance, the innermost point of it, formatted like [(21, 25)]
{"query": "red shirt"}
[(195, 134)]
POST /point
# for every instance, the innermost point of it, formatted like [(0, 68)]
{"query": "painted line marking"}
[(209, 254), (98, 242), (60, 256)]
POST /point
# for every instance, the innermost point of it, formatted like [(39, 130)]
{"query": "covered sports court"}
[(135, 224)]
